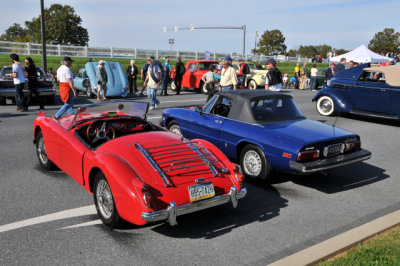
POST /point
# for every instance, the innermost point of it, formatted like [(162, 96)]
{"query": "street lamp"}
[(255, 41), (171, 42)]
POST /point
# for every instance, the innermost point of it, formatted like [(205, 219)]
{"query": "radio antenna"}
[(334, 124)]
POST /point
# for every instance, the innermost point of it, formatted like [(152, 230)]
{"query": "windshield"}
[(278, 109), (111, 109), (205, 65)]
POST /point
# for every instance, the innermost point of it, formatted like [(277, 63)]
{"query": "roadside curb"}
[(340, 242)]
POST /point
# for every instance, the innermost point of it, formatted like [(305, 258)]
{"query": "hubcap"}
[(175, 129), (326, 106), (252, 163), (41, 151), (104, 199)]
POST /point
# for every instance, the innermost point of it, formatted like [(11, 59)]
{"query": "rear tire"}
[(44, 161), (3, 101), (174, 127), (104, 201), (89, 93), (173, 85), (254, 163)]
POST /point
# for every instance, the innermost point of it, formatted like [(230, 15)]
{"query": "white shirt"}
[(64, 73), (314, 72), (276, 87), (16, 68)]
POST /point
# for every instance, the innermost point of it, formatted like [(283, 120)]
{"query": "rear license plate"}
[(201, 191), (334, 149)]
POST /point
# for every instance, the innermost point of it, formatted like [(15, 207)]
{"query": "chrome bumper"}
[(173, 210), (330, 163)]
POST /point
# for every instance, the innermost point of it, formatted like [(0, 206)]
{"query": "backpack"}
[(246, 69)]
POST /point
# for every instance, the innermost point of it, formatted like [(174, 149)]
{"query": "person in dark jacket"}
[(31, 71), (340, 67), (179, 71), (329, 73), (131, 74)]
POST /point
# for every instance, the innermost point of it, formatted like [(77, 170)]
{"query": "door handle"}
[(218, 121), (383, 90)]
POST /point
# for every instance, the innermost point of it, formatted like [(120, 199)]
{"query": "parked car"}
[(46, 85), (191, 80), (321, 78), (117, 85), (256, 78), (265, 130), (136, 171), (364, 90)]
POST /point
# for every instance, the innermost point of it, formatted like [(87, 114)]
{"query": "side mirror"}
[(199, 109)]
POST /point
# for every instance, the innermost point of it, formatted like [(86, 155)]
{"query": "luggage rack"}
[(166, 158)]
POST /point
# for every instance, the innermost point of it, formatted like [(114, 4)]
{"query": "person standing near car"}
[(143, 72), (273, 81), (297, 76), (31, 71), (131, 74), (341, 66), (18, 76), (67, 89), (228, 79), (165, 81), (101, 77), (314, 77), (154, 81), (179, 71), (209, 80)]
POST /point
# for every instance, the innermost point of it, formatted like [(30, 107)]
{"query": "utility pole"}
[(255, 42), (43, 36), (171, 42)]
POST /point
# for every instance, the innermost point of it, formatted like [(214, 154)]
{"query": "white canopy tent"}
[(361, 55)]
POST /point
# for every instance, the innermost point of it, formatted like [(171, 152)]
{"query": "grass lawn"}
[(53, 62), (383, 249)]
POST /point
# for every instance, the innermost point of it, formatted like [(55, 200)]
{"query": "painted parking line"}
[(82, 211), (95, 222)]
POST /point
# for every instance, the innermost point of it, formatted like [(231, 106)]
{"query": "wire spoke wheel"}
[(104, 199)]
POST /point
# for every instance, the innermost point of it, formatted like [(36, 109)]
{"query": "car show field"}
[(47, 216)]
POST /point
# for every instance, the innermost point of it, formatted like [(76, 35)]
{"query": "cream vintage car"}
[(255, 79)]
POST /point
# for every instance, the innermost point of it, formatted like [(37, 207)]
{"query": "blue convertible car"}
[(85, 80), (364, 90), (265, 130)]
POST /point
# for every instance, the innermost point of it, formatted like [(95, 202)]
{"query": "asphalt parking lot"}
[(58, 225)]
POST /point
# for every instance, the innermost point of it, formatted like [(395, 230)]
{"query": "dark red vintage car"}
[(136, 171)]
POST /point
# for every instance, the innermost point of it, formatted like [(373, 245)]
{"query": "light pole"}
[(43, 30), (255, 41), (171, 42)]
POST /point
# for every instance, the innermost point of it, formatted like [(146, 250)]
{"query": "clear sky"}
[(138, 24)]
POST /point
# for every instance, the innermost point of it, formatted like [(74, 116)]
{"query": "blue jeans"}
[(313, 83), (225, 100), (19, 95), (152, 93), (68, 106)]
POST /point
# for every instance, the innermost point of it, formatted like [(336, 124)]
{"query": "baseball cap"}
[(67, 58), (271, 61), (228, 58)]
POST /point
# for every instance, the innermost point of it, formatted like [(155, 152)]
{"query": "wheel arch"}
[(243, 143), (341, 105)]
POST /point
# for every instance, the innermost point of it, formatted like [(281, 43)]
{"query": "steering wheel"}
[(221, 109), (96, 132)]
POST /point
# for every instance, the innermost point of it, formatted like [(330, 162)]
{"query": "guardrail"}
[(134, 53)]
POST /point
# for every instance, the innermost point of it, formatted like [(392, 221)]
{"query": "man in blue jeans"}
[(152, 85), (18, 75), (228, 79)]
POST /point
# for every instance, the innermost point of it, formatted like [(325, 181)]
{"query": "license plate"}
[(334, 149), (201, 191)]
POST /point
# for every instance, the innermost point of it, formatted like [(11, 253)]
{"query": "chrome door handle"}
[(383, 90), (218, 121)]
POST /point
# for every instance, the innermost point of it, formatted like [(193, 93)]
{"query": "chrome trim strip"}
[(173, 210), (304, 168)]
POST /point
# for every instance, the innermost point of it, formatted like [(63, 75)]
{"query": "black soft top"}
[(241, 99)]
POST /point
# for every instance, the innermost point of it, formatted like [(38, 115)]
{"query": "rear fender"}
[(341, 104), (125, 184)]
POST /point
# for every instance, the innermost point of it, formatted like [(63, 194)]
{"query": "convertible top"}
[(392, 73), (241, 99)]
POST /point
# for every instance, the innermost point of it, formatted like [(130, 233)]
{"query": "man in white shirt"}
[(67, 89), (18, 74), (228, 80), (155, 70)]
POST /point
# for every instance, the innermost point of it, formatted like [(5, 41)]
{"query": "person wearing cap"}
[(273, 80), (229, 60), (67, 89), (179, 71), (18, 75), (101, 78), (228, 80), (143, 72)]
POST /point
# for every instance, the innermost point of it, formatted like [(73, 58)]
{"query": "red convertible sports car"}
[(136, 171)]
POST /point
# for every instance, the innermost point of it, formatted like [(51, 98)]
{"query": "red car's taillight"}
[(308, 155), (239, 177), (147, 197)]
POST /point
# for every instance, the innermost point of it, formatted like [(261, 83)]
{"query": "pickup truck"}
[(191, 79)]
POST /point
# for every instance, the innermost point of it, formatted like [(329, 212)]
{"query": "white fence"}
[(85, 51)]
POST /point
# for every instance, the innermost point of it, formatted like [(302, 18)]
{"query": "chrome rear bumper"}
[(330, 163), (173, 210)]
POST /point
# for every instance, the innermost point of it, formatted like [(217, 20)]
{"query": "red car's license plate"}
[(201, 191)]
